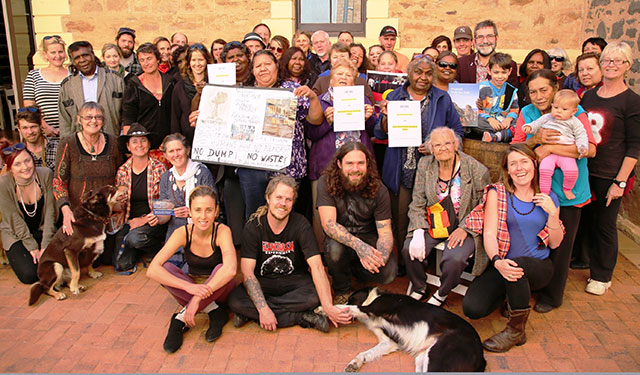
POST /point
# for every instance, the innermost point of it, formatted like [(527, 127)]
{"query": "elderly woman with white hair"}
[(560, 62), (454, 180), (400, 163)]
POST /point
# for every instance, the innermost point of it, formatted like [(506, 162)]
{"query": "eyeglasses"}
[(15, 148), (488, 36), (94, 117), (276, 49), (557, 58), (616, 62), (444, 65), (31, 109)]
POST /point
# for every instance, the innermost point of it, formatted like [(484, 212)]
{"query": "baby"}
[(562, 119)]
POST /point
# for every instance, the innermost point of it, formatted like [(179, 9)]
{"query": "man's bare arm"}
[(385, 238)]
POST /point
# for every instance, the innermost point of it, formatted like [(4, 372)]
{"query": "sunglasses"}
[(92, 117), (444, 65), (31, 109), (51, 37), (556, 58), (276, 49), (197, 46), (233, 44), (15, 148)]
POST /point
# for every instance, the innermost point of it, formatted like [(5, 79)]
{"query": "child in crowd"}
[(564, 107), (500, 106)]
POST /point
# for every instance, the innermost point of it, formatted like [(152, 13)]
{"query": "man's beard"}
[(488, 54), (354, 187), (126, 53)]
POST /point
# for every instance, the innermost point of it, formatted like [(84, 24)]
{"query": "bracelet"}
[(495, 259), (553, 228)]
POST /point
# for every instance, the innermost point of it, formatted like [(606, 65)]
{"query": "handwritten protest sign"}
[(246, 127)]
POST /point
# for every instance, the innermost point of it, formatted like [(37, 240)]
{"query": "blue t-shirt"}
[(524, 229)]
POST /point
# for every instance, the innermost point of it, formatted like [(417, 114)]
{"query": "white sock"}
[(180, 315), (210, 307), (415, 295)]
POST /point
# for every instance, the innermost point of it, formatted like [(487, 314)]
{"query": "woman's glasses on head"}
[(15, 148), (31, 109)]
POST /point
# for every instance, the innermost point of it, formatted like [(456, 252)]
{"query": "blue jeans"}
[(253, 183)]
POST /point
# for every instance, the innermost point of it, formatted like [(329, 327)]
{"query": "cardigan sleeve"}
[(14, 228)]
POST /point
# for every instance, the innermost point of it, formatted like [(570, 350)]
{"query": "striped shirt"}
[(45, 94)]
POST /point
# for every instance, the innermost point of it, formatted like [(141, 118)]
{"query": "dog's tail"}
[(36, 291)]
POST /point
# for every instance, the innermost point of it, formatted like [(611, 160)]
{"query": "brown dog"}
[(78, 250)]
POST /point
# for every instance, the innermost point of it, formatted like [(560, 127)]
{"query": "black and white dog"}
[(438, 339)]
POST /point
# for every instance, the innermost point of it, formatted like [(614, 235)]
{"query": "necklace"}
[(93, 147), (516, 210), (35, 193)]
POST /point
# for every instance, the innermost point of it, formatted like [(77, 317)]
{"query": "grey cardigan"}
[(13, 226), (473, 178)]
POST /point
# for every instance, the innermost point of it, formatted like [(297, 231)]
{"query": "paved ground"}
[(118, 325)]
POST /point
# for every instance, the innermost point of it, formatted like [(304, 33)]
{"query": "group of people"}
[(364, 211)]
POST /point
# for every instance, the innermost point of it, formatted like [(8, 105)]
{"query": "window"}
[(331, 16)]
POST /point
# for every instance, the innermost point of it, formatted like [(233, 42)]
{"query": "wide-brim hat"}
[(135, 130)]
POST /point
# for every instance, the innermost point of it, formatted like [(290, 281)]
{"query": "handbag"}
[(441, 217)]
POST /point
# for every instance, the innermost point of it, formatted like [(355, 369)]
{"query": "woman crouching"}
[(519, 226), (211, 257)]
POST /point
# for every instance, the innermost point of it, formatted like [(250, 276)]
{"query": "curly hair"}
[(368, 188)]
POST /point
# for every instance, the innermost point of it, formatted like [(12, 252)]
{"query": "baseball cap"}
[(253, 36), (462, 32), (389, 30), (126, 30)]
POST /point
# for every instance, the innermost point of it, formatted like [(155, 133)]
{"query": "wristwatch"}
[(495, 258), (621, 184)]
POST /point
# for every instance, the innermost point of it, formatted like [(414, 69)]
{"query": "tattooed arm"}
[(370, 258), (268, 320), (385, 238)]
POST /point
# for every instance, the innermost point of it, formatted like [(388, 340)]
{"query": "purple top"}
[(324, 138)]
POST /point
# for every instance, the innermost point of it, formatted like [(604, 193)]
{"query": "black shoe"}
[(316, 321), (542, 307), (217, 319), (578, 265), (173, 341), (239, 320)]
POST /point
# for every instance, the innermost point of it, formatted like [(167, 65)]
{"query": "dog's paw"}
[(81, 287), (352, 367), (95, 274), (61, 296)]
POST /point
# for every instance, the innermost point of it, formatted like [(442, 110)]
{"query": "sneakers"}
[(597, 287), (317, 321), (239, 320), (173, 341), (217, 319), (436, 299)]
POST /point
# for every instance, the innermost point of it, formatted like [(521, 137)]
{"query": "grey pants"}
[(453, 262)]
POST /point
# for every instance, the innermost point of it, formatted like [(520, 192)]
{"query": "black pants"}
[(21, 260), (453, 262), (134, 242), (487, 291), (288, 297), (601, 223), (342, 262), (553, 293)]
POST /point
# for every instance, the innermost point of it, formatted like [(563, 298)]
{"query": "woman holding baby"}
[(542, 85)]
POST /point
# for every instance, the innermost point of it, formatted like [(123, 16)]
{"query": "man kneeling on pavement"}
[(278, 250)]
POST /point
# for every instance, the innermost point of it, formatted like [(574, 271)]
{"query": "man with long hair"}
[(355, 213), (278, 250)]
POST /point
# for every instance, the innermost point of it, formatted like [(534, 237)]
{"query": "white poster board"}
[(245, 127), (404, 123), (348, 105), (222, 74)]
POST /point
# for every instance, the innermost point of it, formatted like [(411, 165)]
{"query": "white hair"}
[(320, 33)]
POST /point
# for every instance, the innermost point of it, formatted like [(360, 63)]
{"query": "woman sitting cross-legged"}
[(519, 226), (446, 175), (212, 264)]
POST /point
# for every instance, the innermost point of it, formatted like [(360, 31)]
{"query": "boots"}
[(217, 319), (173, 341), (513, 334)]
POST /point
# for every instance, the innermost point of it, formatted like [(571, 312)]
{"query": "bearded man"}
[(355, 213)]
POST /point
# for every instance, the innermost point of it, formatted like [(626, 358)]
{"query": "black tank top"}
[(198, 265)]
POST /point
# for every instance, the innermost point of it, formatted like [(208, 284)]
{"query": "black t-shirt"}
[(139, 199), (615, 123), (281, 254), (357, 214)]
